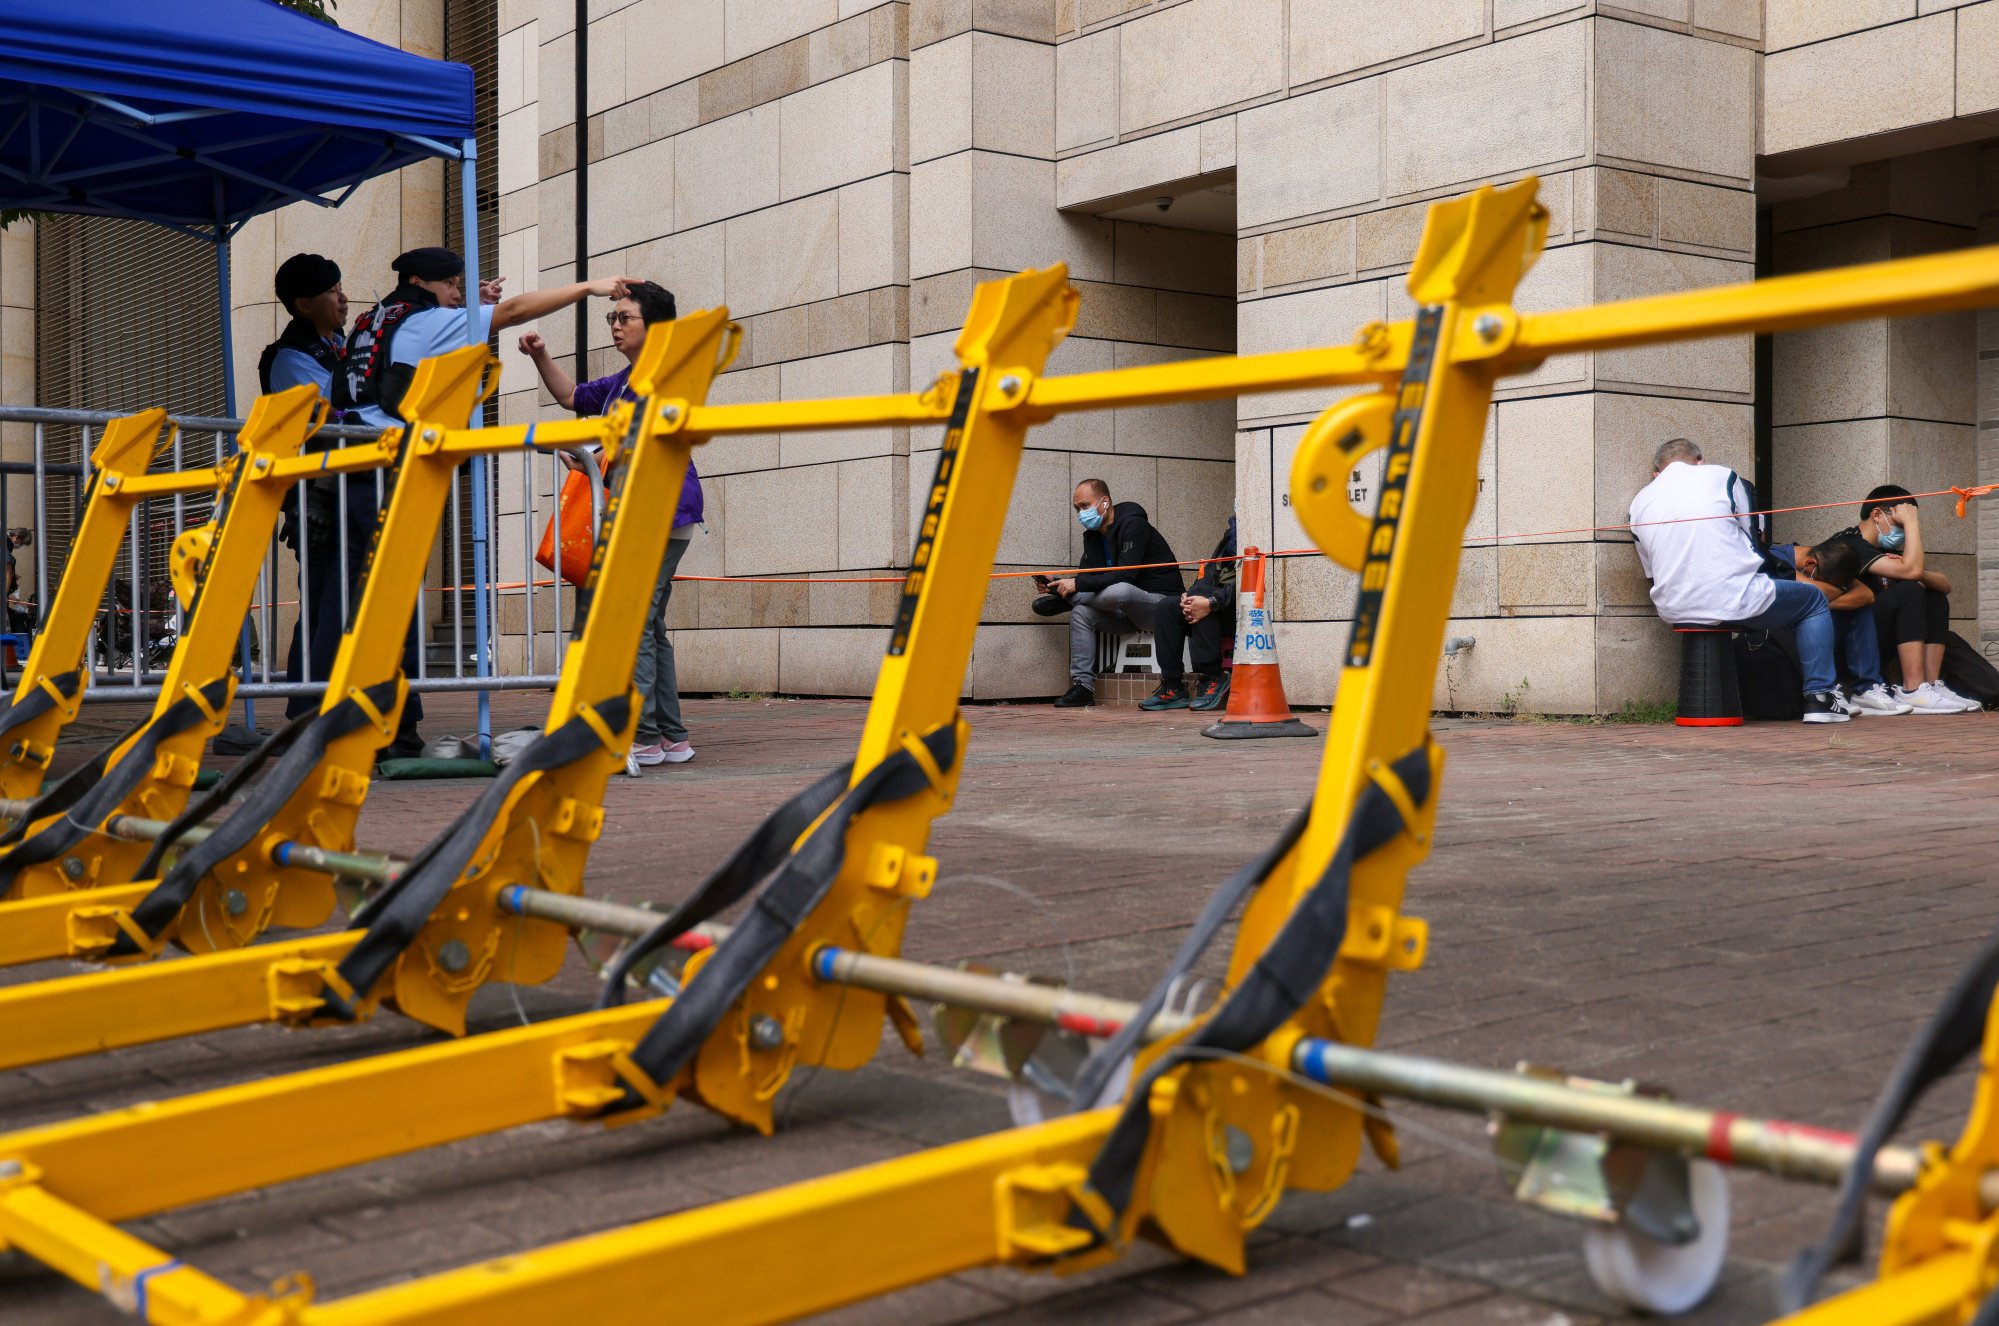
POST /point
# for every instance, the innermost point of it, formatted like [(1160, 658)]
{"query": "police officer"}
[(307, 352), (425, 315)]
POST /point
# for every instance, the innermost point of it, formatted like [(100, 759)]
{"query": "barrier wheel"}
[(1641, 1272)]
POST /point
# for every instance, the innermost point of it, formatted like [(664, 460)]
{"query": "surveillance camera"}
[(1163, 202)]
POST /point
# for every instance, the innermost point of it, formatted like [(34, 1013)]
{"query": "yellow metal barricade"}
[(216, 569), (53, 678), (61, 848), (1218, 1127)]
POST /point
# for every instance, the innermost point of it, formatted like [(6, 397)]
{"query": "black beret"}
[(430, 264), (304, 275)]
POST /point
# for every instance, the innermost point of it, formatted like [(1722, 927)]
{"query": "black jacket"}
[(1134, 543), (1217, 579)]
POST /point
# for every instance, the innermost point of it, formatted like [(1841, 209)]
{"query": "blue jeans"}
[(1854, 629), (1802, 608)]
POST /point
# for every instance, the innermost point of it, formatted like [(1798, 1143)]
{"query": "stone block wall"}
[(1641, 127), (1888, 400), (17, 357), (1880, 114), (841, 173)]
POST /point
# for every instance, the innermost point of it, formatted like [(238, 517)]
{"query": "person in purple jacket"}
[(661, 736)]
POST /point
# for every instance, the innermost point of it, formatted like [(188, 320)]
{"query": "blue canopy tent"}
[(200, 114)]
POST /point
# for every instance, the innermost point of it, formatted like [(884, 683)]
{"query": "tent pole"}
[(468, 185), (226, 312)]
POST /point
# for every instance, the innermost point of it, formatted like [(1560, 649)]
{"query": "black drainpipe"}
[(582, 184)]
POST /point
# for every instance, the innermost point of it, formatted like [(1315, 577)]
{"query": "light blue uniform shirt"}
[(434, 331), (292, 368)]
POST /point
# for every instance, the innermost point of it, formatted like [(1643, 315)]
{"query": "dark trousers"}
[(1906, 611), (319, 608), (1201, 642)]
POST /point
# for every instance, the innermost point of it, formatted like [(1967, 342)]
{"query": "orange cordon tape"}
[(1963, 496)]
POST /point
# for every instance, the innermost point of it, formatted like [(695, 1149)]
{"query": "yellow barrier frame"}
[(118, 482), (216, 591), (1005, 1198), (252, 891)]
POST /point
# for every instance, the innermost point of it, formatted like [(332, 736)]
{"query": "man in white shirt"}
[(1702, 561)]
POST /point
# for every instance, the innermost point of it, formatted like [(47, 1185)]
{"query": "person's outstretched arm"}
[(560, 385), (516, 309)]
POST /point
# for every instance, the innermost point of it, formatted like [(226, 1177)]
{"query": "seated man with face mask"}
[(1911, 600), (1124, 595)]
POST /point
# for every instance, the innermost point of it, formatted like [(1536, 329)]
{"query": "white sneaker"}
[(1963, 704), (1877, 699), (662, 752), (1923, 700)]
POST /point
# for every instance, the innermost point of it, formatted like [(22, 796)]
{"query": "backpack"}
[(366, 375), (1969, 672), (1770, 676)]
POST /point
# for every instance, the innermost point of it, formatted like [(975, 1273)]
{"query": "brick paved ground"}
[(1756, 918)]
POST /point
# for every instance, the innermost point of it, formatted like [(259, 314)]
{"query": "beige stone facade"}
[(840, 173)]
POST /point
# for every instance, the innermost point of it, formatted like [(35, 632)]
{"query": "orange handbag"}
[(572, 513)]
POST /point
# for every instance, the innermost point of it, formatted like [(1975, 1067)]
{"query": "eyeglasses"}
[(620, 319)]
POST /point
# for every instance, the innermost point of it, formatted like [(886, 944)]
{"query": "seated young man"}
[(1126, 574), (1692, 527), (1911, 601), (1197, 623), (1834, 568)]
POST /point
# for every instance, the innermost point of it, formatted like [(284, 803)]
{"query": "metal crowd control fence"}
[(142, 614)]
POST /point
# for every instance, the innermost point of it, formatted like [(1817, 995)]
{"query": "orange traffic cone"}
[(1257, 707)]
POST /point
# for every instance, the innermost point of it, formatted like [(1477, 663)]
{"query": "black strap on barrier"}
[(767, 847), (396, 915), (1287, 974), (88, 796), (312, 734), (202, 807), (1952, 1035), (798, 886), (1100, 1070), (39, 702), (65, 791)]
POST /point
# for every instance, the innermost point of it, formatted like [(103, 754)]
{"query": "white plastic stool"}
[(1135, 651)]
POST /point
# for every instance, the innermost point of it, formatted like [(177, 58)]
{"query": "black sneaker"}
[(1170, 695), (1077, 696), (1050, 605), (1210, 692), (1824, 707)]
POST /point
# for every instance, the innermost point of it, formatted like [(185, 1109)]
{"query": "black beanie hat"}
[(304, 275), (431, 264)]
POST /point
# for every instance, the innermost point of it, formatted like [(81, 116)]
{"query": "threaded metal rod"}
[(1773, 1146), (136, 828)]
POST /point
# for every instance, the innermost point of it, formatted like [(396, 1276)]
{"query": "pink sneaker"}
[(661, 753)]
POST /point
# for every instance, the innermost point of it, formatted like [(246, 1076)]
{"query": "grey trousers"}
[(659, 690), (1120, 608), (652, 674)]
